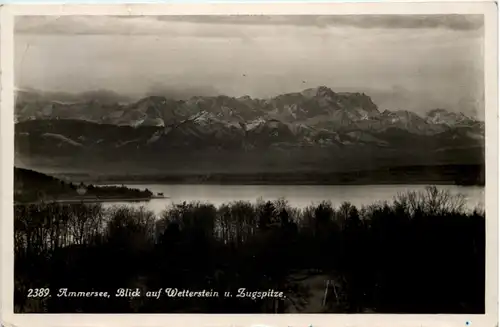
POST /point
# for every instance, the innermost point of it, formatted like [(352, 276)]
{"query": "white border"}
[(489, 9)]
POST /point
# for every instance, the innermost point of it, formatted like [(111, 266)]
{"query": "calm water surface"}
[(297, 195)]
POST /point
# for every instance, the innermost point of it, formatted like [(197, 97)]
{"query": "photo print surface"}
[(249, 164)]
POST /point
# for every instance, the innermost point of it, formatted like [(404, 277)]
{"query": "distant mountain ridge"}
[(316, 128), (306, 106)]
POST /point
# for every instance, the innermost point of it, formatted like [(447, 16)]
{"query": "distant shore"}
[(94, 200), (274, 183)]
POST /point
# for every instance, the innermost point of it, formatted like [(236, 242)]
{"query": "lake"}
[(297, 195)]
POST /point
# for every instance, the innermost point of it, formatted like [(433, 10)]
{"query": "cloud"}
[(452, 21), (119, 25), (439, 59), (212, 25), (180, 92)]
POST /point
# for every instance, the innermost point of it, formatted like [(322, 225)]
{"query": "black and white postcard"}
[(242, 160)]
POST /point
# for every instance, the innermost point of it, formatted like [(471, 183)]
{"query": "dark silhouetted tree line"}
[(421, 253)]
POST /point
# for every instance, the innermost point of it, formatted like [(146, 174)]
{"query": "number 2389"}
[(38, 292)]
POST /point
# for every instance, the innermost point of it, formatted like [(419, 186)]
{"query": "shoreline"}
[(464, 175), (272, 183), (94, 200)]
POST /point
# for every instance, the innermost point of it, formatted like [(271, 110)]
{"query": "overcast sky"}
[(403, 62)]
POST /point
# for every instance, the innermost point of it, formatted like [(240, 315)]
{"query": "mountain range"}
[(315, 129)]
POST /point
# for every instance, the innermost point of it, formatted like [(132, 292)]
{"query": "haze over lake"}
[(299, 196)]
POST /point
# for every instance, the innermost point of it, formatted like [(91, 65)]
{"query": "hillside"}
[(32, 186)]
